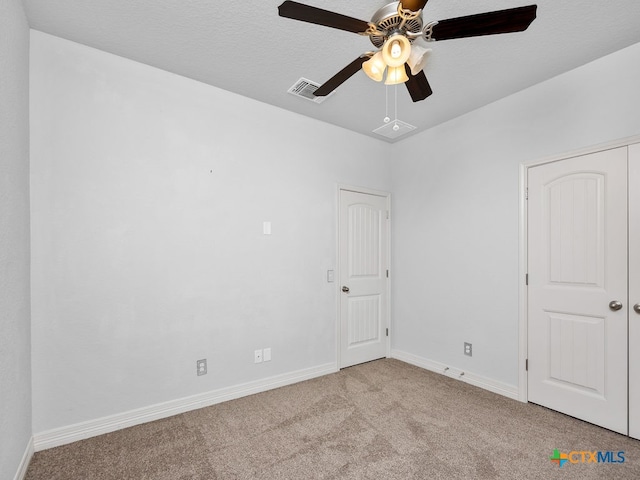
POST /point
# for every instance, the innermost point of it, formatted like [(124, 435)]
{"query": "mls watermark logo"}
[(585, 456)]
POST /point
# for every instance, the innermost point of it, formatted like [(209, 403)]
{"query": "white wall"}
[(15, 361), (148, 195), (455, 227)]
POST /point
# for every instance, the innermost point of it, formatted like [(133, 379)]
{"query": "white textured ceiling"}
[(246, 48)]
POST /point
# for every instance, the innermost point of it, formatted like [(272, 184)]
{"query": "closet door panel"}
[(634, 291), (577, 265)]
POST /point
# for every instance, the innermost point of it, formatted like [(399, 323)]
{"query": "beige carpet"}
[(381, 420)]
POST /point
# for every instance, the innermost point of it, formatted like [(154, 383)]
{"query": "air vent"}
[(387, 130), (304, 88)]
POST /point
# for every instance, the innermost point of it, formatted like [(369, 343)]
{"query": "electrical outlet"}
[(267, 355), (201, 367), (468, 349), (257, 356)]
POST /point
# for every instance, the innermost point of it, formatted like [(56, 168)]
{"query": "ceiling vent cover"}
[(387, 130), (304, 88)]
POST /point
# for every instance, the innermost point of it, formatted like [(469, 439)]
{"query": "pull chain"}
[(386, 104), (396, 127)]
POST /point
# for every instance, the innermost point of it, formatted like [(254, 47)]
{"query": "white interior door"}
[(363, 252), (634, 291), (577, 265)]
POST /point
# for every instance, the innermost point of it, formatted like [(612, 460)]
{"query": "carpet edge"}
[(471, 378), (92, 428)]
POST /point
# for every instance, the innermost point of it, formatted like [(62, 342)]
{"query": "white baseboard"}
[(494, 386), (24, 463), (100, 426)]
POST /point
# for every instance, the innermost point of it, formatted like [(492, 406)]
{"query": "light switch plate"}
[(266, 228)]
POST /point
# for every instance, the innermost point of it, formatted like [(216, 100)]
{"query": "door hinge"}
[(387, 273), (387, 332), (526, 279), (526, 364), (387, 214), (526, 193)]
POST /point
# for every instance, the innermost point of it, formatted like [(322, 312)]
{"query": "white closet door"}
[(577, 264), (634, 291)]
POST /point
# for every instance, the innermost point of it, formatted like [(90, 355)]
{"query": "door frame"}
[(524, 248), (368, 191)]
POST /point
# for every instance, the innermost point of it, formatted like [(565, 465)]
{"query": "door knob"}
[(615, 305), (345, 289), (636, 307)]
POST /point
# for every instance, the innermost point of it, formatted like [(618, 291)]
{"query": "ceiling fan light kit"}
[(396, 50), (393, 29), (418, 58), (396, 75), (375, 67)]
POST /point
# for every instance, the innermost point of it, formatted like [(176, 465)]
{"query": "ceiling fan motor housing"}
[(388, 20)]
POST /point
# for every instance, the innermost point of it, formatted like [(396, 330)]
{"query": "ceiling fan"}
[(394, 28)]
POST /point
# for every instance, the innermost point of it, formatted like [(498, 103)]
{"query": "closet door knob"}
[(345, 289), (636, 307), (615, 305)]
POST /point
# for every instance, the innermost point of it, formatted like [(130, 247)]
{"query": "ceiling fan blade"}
[(417, 85), (307, 13), (501, 21), (413, 5), (342, 76)]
